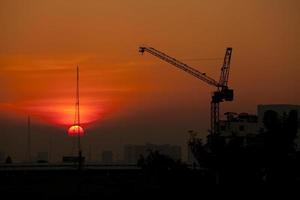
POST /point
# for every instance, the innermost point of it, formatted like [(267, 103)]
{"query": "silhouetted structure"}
[(271, 161), (2, 156), (29, 139), (282, 111), (8, 160), (229, 164), (223, 93), (133, 152)]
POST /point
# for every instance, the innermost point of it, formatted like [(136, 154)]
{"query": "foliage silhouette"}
[(272, 159)]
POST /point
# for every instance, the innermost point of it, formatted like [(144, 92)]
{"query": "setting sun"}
[(75, 130)]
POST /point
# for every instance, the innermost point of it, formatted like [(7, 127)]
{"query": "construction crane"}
[(222, 93)]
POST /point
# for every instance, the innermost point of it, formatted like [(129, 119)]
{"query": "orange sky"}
[(41, 42)]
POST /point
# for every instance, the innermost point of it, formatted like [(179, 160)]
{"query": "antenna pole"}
[(78, 121), (29, 139)]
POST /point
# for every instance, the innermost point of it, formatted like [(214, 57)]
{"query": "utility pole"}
[(29, 139), (90, 152), (50, 149)]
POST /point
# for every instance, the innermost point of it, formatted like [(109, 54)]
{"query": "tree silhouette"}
[(279, 145), (270, 159)]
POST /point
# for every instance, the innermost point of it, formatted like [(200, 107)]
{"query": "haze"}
[(129, 98)]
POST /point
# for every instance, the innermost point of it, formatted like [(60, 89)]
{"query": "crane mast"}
[(223, 93), (225, 68)]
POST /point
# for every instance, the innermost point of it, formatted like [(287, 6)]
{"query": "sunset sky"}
[(127, 97)]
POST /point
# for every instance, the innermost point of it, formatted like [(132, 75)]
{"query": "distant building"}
[(238, 124), (107, 157), (2, 156), (133, 152), (243, 125), (247, 126)]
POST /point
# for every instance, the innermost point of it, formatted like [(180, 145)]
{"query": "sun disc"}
[(75, 130)]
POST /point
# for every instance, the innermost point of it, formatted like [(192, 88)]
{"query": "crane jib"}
[(180, 65)]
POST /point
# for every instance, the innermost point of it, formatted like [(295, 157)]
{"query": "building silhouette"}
[(246, 126), (133, 152), (2, 156), (243, 125)]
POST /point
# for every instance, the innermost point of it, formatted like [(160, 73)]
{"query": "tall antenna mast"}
[(77, 110), (77, 120)]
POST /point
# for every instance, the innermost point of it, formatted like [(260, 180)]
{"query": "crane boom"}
[(225, 68), (180, 65)]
